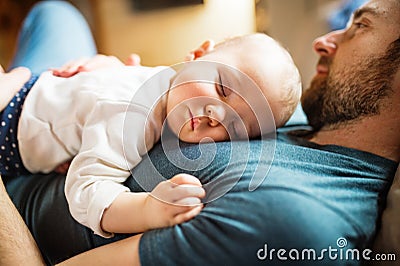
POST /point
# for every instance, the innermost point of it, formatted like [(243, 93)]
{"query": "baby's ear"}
[(204, 48)]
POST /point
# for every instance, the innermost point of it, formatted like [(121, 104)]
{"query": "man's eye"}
[(360, 25)]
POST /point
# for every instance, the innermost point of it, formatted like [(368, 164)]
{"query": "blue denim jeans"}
[(53, 33)]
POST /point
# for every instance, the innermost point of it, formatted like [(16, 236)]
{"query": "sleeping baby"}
[(106, 120)]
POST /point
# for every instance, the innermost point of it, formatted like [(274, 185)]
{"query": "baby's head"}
[(252, 69)]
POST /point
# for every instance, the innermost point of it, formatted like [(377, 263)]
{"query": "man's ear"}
[(204, 48)]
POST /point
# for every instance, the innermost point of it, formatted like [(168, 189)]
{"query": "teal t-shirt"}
[(320, 201)]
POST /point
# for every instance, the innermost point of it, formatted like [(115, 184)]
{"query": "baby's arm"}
[(171, 202), (89, 64), (101, 61)]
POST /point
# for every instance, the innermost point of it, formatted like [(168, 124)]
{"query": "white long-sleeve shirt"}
[(102, 120)]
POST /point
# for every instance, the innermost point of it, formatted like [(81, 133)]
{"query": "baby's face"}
[(247, 103), (211, 100)]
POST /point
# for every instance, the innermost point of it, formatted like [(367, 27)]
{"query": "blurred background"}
[(163, 31)]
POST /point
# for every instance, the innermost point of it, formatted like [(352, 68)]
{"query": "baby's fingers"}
[(169, 192), (189, 201), (70, 68), (186, 216), (133, 60), (100, 61), (187, 192), (187, 179)]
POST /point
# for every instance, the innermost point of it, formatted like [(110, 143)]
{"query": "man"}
[(15, 231), (323, 194), (356, 90)]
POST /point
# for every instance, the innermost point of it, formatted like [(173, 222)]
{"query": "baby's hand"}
[(62, 168), (89, 64), (204, 48), (174, 201)]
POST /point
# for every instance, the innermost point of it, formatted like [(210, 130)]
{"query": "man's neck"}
[(371, 134)]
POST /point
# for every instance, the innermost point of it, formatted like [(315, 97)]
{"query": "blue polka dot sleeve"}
[(10, 159)]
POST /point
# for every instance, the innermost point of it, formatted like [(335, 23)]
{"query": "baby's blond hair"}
[(290, 80)]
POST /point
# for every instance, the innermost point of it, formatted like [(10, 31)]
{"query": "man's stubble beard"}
[(349, 94)]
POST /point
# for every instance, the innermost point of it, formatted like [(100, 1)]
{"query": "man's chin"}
[(312, 101)]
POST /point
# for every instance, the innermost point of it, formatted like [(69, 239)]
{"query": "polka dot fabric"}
[(10, 160)]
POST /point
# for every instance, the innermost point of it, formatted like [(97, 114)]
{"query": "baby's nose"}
[(216, 113)]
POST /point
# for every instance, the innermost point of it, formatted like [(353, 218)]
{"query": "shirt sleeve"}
[(96, 174)]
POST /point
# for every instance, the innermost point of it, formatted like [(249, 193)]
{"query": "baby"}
[(242, 88)]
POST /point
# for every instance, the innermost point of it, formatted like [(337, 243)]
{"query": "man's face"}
[(357, 67)]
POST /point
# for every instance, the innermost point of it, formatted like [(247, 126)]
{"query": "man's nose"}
[(216, 114), (327, 45)]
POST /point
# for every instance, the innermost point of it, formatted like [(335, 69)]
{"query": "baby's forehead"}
[(261, 56), (265, 69)]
